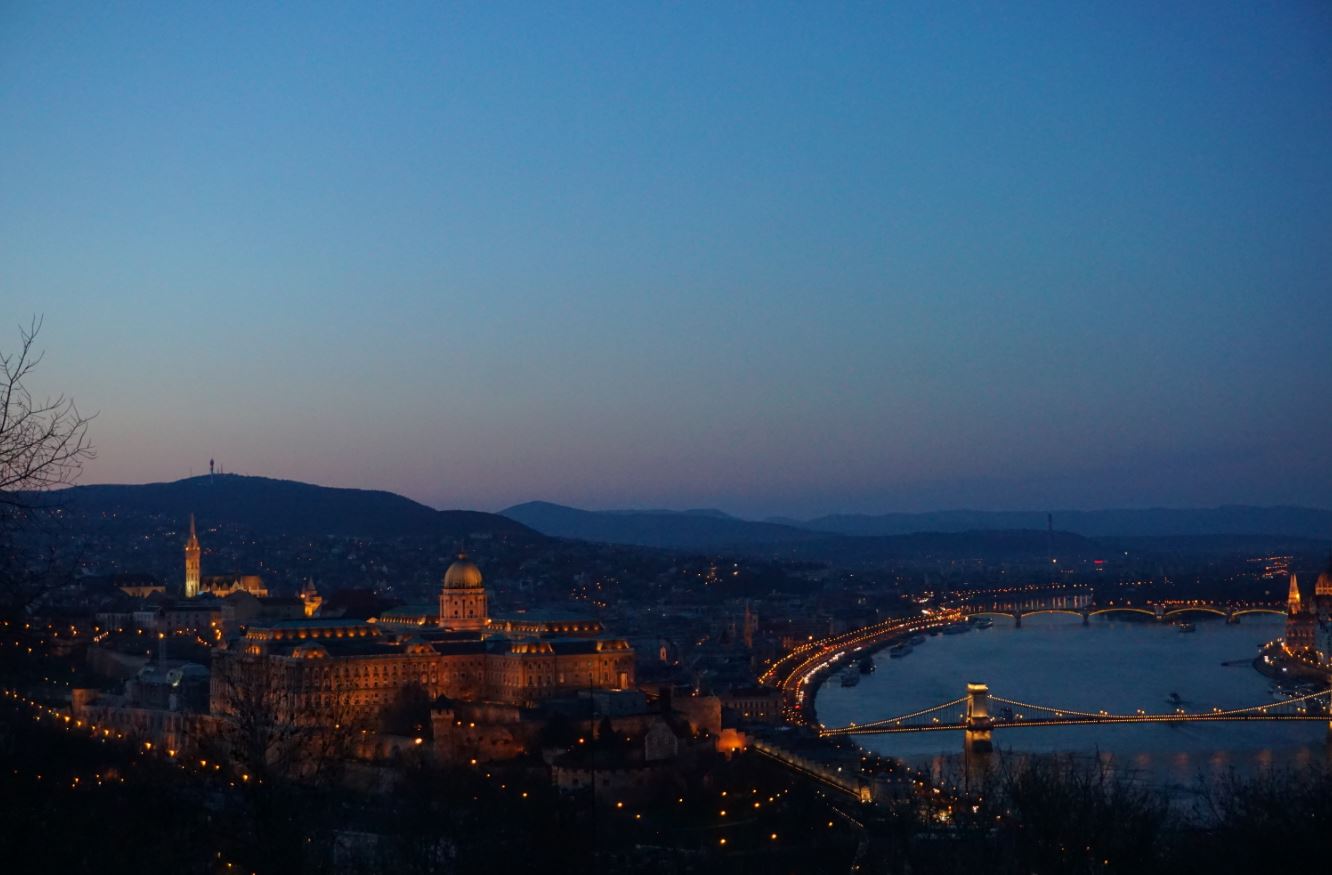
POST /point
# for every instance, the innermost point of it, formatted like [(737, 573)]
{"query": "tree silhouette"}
[(43, 443)]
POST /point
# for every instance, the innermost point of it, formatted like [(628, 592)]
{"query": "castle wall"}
[(364, 684)]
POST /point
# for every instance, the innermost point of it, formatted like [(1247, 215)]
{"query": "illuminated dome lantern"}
[(462, 574)]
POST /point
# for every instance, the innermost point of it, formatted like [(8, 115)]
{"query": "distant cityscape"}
[(615, 677), (676, 438)]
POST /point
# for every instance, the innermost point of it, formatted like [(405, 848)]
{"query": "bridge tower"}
[(979, 722), (1160, 611)]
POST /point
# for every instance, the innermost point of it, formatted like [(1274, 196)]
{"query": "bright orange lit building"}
[(343, 668), (1301, 623), (217, 585)]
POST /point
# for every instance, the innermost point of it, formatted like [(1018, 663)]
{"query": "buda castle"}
[(343, 669)]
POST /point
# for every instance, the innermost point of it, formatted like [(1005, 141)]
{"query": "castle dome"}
[(462, 574)]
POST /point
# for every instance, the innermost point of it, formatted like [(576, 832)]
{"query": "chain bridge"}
[(979, 713), (801, 669)]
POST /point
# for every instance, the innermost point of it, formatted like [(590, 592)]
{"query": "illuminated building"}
[(1323, 593), (343, 668), (753, 704), (310, 599), (462, 600), (1301, 623), (223, 585), (192, 563), (218, 585), (1323, 588)]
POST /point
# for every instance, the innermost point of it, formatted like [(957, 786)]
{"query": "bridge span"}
[(974, 714), (801, 669), (1085, 609)]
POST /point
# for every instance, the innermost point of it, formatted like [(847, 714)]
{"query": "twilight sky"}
[(771, 258)]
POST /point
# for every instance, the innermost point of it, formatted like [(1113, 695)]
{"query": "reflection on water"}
[(1113, 664)]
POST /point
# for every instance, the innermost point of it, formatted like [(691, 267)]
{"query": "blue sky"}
[(773, 258)]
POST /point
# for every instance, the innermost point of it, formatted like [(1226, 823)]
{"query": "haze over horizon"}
[(774, 260)]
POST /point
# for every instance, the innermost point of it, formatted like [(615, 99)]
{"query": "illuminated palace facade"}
[(347, 669)]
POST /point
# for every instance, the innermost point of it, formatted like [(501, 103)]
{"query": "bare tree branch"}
[(43, 443), (273, 728)]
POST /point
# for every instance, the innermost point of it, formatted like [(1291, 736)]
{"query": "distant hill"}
[(680, 530), (1295, 522), (263, 504), (698, 511), (996, 545), (722, 533), (994, 536)]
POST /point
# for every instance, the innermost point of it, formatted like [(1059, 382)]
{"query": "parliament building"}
[(1305, 616)]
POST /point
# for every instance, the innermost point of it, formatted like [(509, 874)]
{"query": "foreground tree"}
[(1278, 821), (43, 446), (43, 443), (1070, 815), (275, 731), (289, 753)]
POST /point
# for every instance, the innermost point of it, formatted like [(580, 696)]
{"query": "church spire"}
[(192, 563), (1293, 599)]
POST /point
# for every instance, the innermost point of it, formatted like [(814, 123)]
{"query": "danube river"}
[(1114, 665)]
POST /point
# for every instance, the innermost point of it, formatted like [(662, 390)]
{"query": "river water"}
[(1112, 664)]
